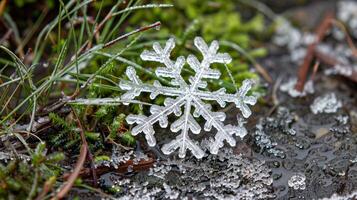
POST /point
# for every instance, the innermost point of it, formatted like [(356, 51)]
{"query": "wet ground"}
[(323, 147)]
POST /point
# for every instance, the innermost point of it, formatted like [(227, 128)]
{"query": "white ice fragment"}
[(264, 142), (287, 35), (327, 103), (289, 87), (192, 96), (170, 193), (339, 70), (297, 181), (347, 13), (342, 119)]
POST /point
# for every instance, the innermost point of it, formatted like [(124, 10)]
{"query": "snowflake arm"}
[(202, 69), (215, 119), (159, 113), (240, 98), (182, 141), (135, 87), (171, 69)]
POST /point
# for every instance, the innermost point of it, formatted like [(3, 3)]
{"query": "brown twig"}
[(314, 71), (140, 166), (348, 37), (48, 186), (6, 36), (263, 72), (320, 34), (66, 187), (333, 62)]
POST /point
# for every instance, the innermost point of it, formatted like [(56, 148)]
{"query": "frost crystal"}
[(326, 104), (289, 87), (297, 182), (187, 95), (347, 13), (264, 142), (223, 176)]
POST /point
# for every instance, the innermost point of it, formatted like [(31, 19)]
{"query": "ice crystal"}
[(297, 182), (187, 95), (289, 87), (222, 176), (335, 196), (326, 104), (295, 40), (264, 142), (347, 13)]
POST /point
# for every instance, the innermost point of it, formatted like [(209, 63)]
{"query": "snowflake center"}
[(190, 96)]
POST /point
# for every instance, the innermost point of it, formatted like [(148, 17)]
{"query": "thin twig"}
[(48, 186), (79, 164), (327, 59), (348, 37), (320, 34), (6, 36), (123, 168), (314, 71), (274, 95)]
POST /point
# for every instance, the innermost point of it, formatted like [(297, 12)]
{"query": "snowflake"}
[(187, 95)]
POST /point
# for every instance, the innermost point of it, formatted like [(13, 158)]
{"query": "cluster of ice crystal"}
[(341, 127), (282, 121), (327, 103), (293, 39), (297, 181), (347, 13), (335, 196), (289, 87), (264, 142), (342, 119), (187, 95), (343, 54), (120, 156), (297, 42), (222, 176)]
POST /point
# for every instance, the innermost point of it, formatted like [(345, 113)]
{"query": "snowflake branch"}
[(240, 98), (182, 141), (172, 69), (135, 87), (223, 132), (210, 56), (159, 113)]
